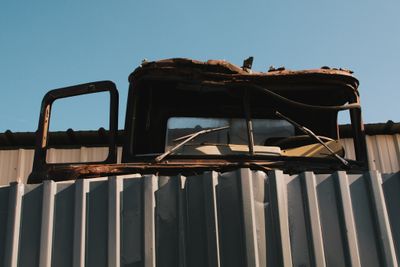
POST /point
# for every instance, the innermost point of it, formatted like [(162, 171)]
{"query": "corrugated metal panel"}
[(239, 218), (83, 154), (16, 165), (383, 152)]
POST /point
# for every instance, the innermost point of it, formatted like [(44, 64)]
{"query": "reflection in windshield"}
[(271, 137), (236, 134)]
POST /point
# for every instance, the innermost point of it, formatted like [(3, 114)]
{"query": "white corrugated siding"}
[(238, 218), (383, 152), (16, 165), (83, 154)]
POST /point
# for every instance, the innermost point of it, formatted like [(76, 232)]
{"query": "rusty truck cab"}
[(186, 116), (172, 99)]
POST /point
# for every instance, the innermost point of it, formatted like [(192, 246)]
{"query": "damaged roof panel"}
[(221, 70)]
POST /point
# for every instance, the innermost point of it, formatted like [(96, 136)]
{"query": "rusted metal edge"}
[(219, 70), (61, 172)]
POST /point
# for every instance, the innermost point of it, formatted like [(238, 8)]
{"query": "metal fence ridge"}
[(238, 218)]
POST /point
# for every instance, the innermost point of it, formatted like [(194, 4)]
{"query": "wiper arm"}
[(312, 135), (186, 139)]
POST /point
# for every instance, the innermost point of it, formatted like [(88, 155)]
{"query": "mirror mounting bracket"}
[(40, 167)]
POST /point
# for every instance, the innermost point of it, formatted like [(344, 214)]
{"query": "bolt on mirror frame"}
[(40, 166)]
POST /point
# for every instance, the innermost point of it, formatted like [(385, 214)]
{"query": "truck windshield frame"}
[(163, 108)]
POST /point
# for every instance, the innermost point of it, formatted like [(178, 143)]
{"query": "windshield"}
[(234, 134), (219, 121), (225, 136)]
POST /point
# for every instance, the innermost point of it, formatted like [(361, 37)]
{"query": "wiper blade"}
[(187, 138), (312, 135)]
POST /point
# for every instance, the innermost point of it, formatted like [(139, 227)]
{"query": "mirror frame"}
[(40, 165)]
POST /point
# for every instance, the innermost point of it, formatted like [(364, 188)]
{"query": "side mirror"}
[(41, 167)]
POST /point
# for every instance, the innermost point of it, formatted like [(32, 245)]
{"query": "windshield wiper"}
[(312, 135), (186, 139)]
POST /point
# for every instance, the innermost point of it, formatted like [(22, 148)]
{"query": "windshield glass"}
[(236, 134), (276, 137)]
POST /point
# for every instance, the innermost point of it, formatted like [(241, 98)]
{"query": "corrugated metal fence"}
[(240, 218)]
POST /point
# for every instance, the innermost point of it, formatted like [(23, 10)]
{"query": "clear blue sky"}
[(51, 44)]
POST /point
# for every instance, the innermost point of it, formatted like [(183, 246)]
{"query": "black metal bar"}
[(249, 122), (360, 144)]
